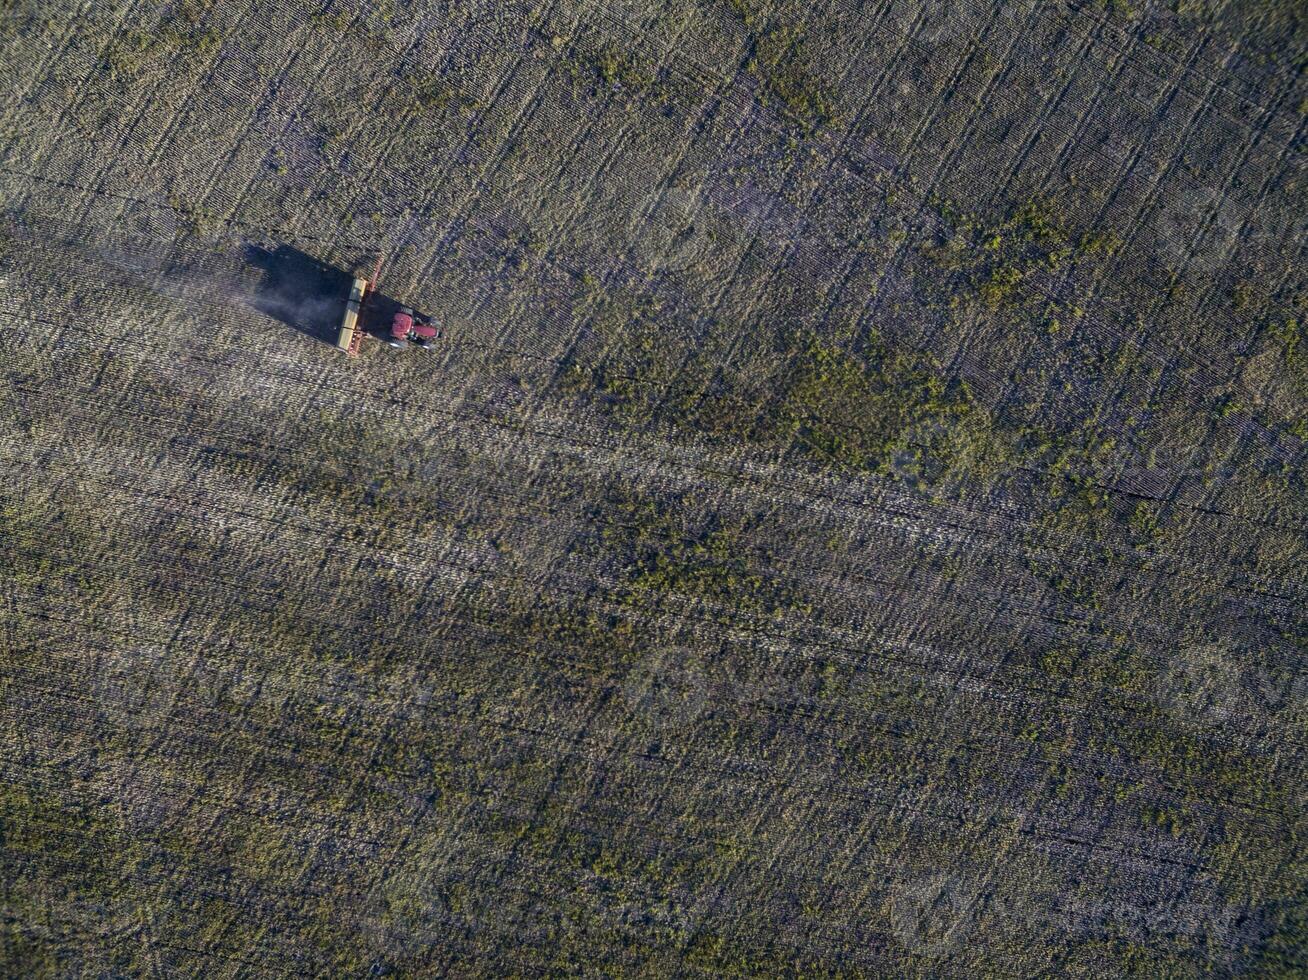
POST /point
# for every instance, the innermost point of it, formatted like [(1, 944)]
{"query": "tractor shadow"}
[(309, 295)]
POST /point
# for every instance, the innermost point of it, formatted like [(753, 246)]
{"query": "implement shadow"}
[(309, 295)]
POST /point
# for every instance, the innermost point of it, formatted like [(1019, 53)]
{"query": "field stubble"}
[(855, 525)]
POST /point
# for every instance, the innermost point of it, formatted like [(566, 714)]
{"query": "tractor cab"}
[(401, 327)]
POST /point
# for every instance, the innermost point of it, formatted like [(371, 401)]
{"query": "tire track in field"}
[(1111, 490), (458, 416)]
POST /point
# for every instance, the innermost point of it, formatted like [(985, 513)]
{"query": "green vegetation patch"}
[(780, 62), (880, 409), (660, 553)]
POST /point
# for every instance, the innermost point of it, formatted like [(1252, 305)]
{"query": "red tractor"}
[(407, 326)]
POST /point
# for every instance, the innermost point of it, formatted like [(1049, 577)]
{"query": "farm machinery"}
[(352, 333), (406, 327)]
